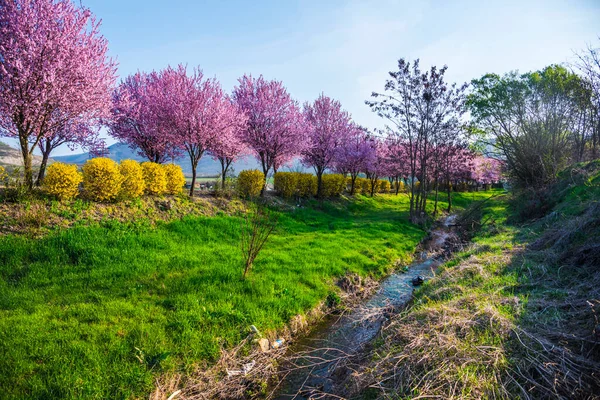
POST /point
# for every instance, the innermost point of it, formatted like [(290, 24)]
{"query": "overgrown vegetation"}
[(503, 319)]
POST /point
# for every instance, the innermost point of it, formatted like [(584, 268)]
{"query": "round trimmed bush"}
[(175, 178), (133, 179), (102, 179), (250, 183), (62, 181), (155, 178)]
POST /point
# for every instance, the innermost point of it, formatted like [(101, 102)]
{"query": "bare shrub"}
[(257, 226)]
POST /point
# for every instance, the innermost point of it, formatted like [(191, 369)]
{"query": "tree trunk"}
[(319, 183), (45, 157), (247, 269), (352, 184), (449, 191), (224, 167), (27, 163), (223, 173), (436, 197), (194, 173), (265, 168)]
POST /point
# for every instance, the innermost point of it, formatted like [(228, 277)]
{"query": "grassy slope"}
[(501, 320), (97, 311)]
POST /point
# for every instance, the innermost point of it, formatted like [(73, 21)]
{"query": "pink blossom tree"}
[(376, 165), (487, 170), (53, 69), (198, 115), (135, 119), (456, 164), (327, 128), (274, 130), (72, 133), (228, 145), (397, 160), (354, 154)]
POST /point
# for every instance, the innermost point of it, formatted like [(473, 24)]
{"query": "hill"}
[(206, 167), (11, 157)]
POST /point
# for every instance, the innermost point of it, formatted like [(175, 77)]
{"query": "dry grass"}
[(441, 346)]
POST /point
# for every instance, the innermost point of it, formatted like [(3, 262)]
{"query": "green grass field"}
[(99, 311)]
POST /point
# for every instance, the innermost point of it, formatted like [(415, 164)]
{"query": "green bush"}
[(62, 181), (102, 179), (333, 185), (307, 185), (133, 179), (175, 178), (250, 183), (154, 177), (286, 183)]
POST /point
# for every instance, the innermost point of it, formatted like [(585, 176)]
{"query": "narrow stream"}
[(313, 360)]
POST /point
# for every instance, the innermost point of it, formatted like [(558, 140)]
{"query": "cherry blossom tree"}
[(135, 120), (54, 69), (376, 165), (274, 130), (397, 160), (354, 154), (198, 116), (228, 146), (72, 133), (456, 164), (487, 170), (327, 127)]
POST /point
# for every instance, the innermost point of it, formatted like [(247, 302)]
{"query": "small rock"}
[(165, 205), (418, 281), (264, 345)]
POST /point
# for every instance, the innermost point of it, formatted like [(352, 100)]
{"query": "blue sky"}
[(343, 48)]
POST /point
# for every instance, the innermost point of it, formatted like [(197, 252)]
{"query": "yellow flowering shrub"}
[(333, 184), (400, 186), (250, 183), (286, 183), (384, 186), (175, 178), (3, 176), (155, 178), (307, 185), (62, 181), (102, 179), (362, 186), (133, 179)]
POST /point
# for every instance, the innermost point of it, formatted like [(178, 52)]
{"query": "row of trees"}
[(425, 130), (58, 87)]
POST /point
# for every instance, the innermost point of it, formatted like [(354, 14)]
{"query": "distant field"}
[(100, 311)]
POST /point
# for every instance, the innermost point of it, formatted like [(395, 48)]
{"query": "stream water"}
[(313, 361)]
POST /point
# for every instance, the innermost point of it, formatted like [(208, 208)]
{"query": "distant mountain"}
[(11, 157), (206, 167)]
